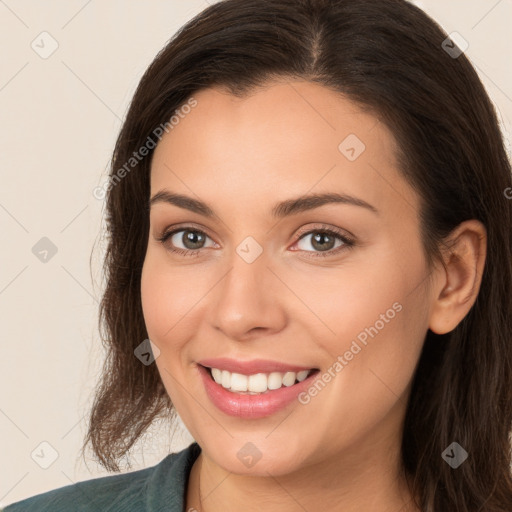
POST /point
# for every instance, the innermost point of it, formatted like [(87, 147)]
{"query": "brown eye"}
[(321, 240), (324, 241), (191, 239)]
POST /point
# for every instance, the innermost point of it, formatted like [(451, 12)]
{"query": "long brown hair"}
[(392, 59)]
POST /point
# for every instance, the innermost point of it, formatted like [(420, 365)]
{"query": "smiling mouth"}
[(258, 383)]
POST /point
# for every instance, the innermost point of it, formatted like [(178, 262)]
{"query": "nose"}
[(249, 301)]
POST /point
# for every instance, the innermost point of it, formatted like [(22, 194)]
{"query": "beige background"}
[(59, 119)]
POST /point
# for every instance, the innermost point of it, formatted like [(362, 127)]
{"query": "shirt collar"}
[(166, 489)]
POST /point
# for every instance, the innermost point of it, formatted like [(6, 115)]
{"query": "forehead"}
[(282, 140)]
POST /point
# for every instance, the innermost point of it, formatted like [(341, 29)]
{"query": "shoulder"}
[(94, 494), (139, 491)]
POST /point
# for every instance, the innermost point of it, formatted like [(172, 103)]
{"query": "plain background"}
[(60, 116)]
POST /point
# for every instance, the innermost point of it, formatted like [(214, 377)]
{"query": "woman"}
[(309, 219)]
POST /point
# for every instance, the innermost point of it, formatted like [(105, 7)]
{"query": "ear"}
[(458, 284)]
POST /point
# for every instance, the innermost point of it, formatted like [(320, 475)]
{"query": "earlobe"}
[(461, 277)]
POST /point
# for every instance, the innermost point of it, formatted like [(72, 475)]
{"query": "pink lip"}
[(251, 367), (252, 406)]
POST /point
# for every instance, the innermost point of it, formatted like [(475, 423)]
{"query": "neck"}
[(351, 484)]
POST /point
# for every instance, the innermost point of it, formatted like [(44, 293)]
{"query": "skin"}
[(241, 156)]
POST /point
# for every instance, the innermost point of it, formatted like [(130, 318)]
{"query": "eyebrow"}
[(280, 210)]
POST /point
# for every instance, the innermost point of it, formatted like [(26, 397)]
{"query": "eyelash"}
[(348, 243)]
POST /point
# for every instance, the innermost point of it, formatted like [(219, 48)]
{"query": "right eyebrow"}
[(283, 209)]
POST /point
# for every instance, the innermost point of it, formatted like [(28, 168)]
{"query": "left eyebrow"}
[(283, 209)]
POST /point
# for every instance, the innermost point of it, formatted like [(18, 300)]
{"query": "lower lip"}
[(252, 406)]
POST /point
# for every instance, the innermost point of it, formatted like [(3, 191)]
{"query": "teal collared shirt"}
[(160, 488)]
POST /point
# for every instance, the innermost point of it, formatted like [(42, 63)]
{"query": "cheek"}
[(379, 318), (161, 307), (171, 302), (154, 301), (162, 293), (162, 310), (348, 302), (379, 330), (381, 300)]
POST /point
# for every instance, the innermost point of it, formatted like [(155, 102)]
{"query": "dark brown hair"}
[(387, 56)]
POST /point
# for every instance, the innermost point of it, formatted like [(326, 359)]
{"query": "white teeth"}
[(289, 379), (302, 375), (238, 382), (275, 380), (257, 383), (217, 375), (226, 379)]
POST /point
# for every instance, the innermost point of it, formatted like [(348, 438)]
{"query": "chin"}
[(257, 456)]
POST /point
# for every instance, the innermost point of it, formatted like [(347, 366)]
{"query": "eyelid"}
[(302, 231), (168, 232), (326, 227), (183, 227), (346, 237)]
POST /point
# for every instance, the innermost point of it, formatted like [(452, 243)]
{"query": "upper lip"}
[(251, 367)]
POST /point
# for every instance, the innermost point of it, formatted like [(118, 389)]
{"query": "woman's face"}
[(263, 282)]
